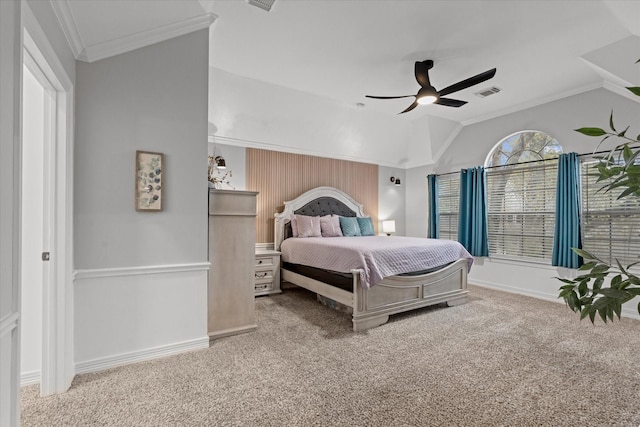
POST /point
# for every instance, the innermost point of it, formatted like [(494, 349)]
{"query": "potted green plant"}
[(590, 293)]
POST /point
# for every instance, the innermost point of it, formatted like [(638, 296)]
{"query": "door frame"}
[(10, 128), (57, 370)]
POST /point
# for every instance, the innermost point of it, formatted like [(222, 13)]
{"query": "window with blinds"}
[(521, 209), (610, 226), (448, 200)]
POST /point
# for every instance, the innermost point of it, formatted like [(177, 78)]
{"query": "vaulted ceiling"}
[(344, 50)]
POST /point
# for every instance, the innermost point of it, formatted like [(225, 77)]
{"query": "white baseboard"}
[(29, 378), (141, 355), (626, 311), (515, 290)]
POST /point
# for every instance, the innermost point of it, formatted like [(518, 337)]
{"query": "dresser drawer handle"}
[(260, 262), (261, 275)]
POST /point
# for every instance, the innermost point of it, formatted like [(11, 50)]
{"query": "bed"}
[(370, 303)]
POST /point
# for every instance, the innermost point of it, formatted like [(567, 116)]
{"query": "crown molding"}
[(620, 90), (145, 38), (68, 23), (124, 44)]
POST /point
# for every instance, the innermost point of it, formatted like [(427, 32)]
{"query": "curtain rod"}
[(524, 163)]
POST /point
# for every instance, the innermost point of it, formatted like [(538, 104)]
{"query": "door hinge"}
[(46, 256)]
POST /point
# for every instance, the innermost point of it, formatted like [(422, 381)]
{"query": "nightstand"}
[(267, 272)]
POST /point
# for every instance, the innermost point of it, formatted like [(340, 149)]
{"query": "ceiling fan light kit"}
[(429, 95)]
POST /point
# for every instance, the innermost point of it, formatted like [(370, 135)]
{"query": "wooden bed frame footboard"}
[(395, 294)]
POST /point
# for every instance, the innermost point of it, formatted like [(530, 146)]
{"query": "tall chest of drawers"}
[(232, 235)]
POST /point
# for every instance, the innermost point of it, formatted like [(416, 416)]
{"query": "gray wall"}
[(391, 198), (558, 119), (153, 99)]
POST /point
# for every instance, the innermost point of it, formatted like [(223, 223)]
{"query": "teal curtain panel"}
[(567, 232), (473, 219), (434, 225)]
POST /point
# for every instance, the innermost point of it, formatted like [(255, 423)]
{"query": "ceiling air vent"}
[(487, 92), (262, 4)]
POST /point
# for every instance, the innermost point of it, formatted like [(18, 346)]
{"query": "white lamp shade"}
[(389, 226)]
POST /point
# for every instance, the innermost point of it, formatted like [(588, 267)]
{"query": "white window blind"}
[(521, 209), (448, 200), (610, 226)]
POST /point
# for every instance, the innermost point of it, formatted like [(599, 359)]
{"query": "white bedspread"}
[(375, 256)]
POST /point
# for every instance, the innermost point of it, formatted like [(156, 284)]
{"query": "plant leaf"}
[(585, 311), (628, 191), (603, 314), (623, 133), (635, 90), (611, 122), (583, 288), (591, 131), (597, 284), (613, 293), (588, 265), (584, 254)]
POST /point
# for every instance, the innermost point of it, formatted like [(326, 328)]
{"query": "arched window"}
[(521, 195), (523, 146)]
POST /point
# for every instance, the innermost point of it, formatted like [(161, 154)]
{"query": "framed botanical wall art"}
[(149, 179)]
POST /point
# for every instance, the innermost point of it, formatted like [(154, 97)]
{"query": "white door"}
[(36, 106), (10, 108), (55, 200)]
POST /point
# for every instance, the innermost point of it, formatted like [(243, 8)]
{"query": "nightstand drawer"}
[(263, 276), (263, 287), (267, 261)]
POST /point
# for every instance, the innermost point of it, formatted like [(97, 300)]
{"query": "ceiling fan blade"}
[(421, 70), (450, 102), (471, 81), (389, 97), (410, 107)]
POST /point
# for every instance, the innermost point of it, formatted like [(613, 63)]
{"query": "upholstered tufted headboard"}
[(317, 202), (320, 207)]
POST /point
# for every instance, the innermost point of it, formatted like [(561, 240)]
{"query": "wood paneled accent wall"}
[(279, 177)]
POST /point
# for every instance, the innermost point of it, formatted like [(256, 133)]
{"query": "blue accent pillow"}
[(366, 226), (349, 226)]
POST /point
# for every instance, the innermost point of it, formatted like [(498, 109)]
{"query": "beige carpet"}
[(500, 360)]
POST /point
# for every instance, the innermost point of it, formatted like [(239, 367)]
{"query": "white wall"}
[(33, 97), (391, 198), (141, 285), (417, 201), (251, 113), (236, 160)]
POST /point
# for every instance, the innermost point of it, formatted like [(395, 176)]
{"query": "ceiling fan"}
[(429, 95)]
